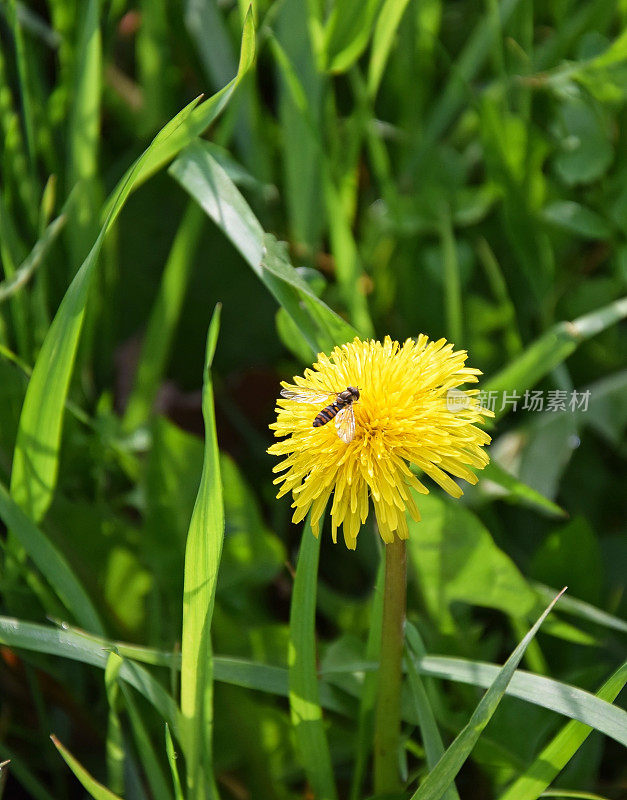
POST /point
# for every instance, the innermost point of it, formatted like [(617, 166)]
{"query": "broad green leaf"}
[(585, 149), (444, 773), (313, 747), (200, 174), (35, 461), (558, 752), (51, 563), (163, 320), (387, 21), (456, 559), (202, 559), (90, 784), (574, 218), (551, 349)]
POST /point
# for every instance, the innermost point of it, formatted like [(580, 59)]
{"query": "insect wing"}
[(345, 424), (314, 398)]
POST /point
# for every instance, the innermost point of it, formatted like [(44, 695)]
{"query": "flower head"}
[(403, 416)]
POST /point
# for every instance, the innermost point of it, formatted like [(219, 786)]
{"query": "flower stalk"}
[(388, 712)]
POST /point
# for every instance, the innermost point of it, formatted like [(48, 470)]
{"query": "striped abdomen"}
[(327, 413)]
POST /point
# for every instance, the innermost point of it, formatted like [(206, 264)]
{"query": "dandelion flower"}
[(403, 416)]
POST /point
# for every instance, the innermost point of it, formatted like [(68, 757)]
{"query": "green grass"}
[(388, 167)]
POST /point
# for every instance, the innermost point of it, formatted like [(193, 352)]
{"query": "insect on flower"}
[(403, 430), (341, 408)]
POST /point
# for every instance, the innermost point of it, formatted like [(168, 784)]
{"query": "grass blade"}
[(306, 713), (202, 559), (388, 20), (163, 320), (516, 491), (26, 269), (441, 777), (95, 789), (51, 563), (432, 741), (561, 748), (115, 738), (84, 134), (579, 608), (199, 173), (176, 781), (88, 650), (152, 768), (35, 461), (546, 692), (550, 349)]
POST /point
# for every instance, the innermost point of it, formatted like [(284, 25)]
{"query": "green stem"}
[(388, 714)]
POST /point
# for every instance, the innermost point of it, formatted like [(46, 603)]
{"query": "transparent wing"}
[(345, 424), (315, 398)]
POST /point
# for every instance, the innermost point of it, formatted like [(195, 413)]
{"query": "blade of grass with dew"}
[(83, 135), (368, 696), (551, 349), (89, 783), (35, 461), (152, 768), (431, 739), (171, 753), (115, 740), (545, 692), (203, 178), (88, 650), (388, 20), (26, 269), (202, 560), (163, 319), (558, 752), (579, 608), (445, 771), (50, 562), (313, 747)]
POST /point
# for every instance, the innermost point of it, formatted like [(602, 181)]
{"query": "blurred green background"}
[(453, 168)]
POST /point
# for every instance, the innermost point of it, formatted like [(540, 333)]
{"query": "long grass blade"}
[(552, 348), (163, 319), (202, 559), (313, 747), (171, 753), (554, 757), (51, 563), (443, 774), (152, 768), (36, 456), (431, 739), (89, 783), (115, 737)]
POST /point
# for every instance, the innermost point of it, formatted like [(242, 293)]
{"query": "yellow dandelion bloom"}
[(404, 415)]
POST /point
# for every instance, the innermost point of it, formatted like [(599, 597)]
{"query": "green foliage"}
[(387, 167)]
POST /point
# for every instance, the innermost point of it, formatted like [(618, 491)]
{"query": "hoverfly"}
[(341, 408)]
